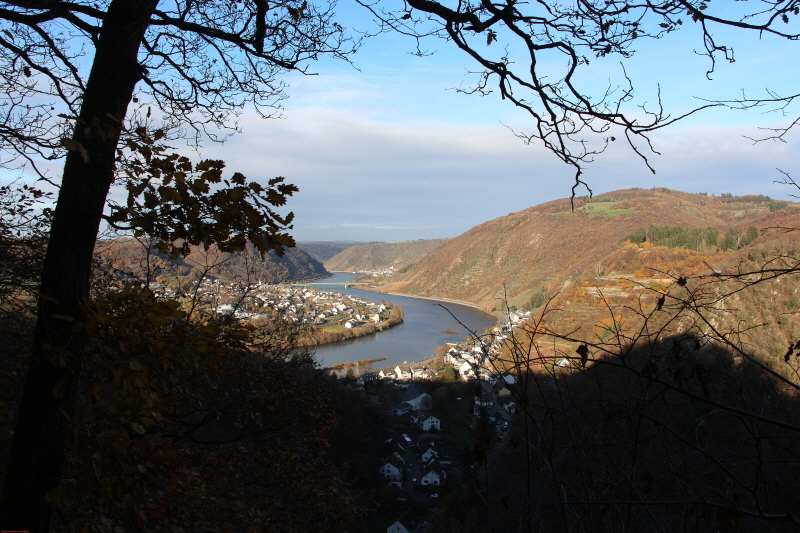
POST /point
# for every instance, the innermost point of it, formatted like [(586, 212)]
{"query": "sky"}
[(386, 149)]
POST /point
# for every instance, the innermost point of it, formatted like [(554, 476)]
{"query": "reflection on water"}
[(427, 324)]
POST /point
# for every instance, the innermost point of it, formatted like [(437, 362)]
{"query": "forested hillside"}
[(379, 256), (324, 250), (129, 258)]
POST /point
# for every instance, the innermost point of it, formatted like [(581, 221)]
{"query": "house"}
[(484, 401), (426, 422), (399, 454), (367, 377), (400, 409), (396, 444), (356, 386), (392, 470), (486, 396), (466, 372), (425, 441), (401, 374), (417, 399), (506, 399), (431, 449), (407, 523), (505, 378), (429, 454), (433, 474), (452, 359), (440, 454)]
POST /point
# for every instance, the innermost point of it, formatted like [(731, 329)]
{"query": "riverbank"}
[(341, 333), (435, 299), (362, 286), (426, 326)]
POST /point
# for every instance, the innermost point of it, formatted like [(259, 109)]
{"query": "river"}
[(426, 326)]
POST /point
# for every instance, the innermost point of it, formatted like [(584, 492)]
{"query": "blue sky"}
[(390, 152), (387, 150)]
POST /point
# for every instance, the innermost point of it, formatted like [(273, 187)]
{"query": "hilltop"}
[(547, 248), (614, 254), (380, 256)]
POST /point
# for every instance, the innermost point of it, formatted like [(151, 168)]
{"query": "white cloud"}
[(367, 179)]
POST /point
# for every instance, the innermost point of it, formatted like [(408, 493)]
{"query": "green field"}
[(605, 209)]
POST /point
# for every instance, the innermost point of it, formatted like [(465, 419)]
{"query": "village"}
[(429, 435), (296, 304)]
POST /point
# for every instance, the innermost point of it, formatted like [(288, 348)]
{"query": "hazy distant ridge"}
[(324, 250), (127, 256), (378, 256)]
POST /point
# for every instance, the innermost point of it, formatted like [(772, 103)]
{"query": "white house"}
[(407, 523), (399, 456), (436, 453), (392, 470), (502, 379), (385, 373), (466, 371), (427, 422), (398, 527), (401, 374), (417, 399), (506, 399), (433, 474)]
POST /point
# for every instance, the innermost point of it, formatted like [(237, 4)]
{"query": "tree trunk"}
[(49, 397)]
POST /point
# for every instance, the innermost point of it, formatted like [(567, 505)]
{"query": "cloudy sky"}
[(387, 150), (391, 152)]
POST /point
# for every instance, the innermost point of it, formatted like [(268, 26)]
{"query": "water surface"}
[(426, 326)]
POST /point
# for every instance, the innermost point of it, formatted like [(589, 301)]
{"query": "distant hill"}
[(544, 249), (378, 256), (324, 250), (127, 256)]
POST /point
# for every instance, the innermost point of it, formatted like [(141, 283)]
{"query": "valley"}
[(647, 329), (593, 336)]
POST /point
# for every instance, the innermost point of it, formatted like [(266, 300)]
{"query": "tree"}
[(191, 64), (450, 373), (533, 54), (23, 238)]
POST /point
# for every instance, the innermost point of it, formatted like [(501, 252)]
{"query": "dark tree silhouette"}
[(69, 72), (533, 53)]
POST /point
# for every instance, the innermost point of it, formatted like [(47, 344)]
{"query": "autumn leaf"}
[(74, 146)]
